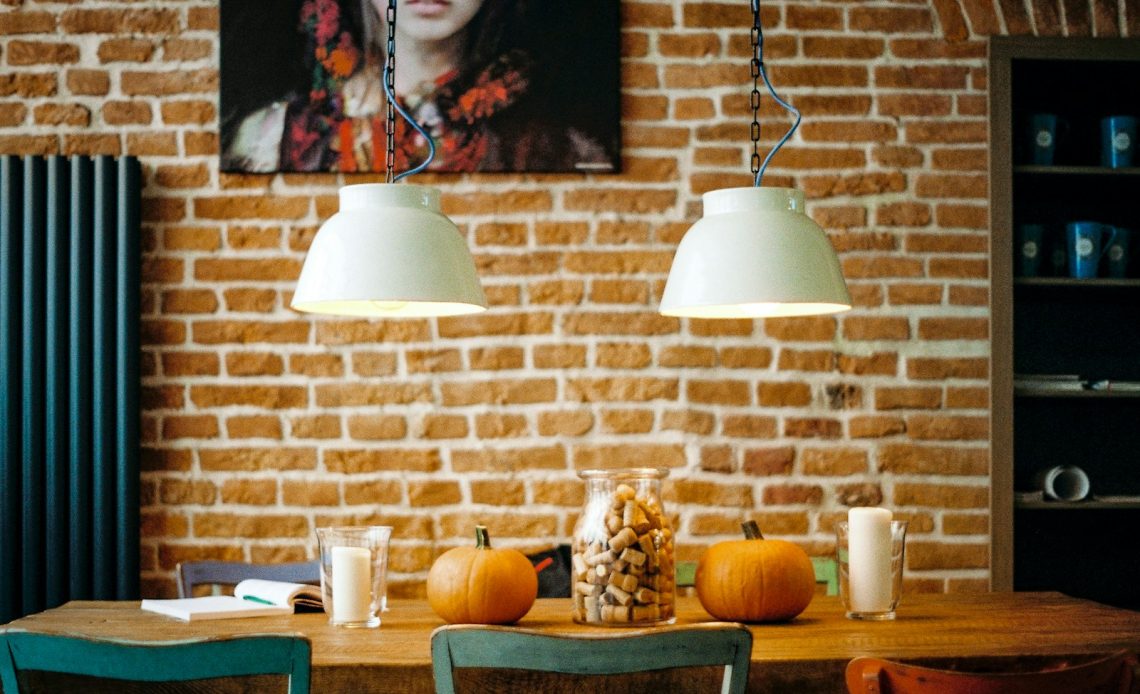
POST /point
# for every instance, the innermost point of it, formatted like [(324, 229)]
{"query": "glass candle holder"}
[(622, 563), (354, 568), (870, 570)]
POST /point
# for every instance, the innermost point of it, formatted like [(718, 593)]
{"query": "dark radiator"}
[(69, 361)]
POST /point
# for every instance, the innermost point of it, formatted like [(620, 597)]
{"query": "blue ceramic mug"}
[(1085, 248), (1117, 141), (1042, 134), (1116, 254), (1030, 248)]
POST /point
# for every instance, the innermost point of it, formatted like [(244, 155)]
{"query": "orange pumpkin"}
[(480, 585), (755, 580)]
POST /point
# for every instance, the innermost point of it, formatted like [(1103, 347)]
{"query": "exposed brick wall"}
[(260, 424)]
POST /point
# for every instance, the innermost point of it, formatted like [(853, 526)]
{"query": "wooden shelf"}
[(1075, 170), (1072, 282), (1093, 505), (1031, 392)]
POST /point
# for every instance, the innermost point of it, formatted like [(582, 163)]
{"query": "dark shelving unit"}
[(1056, 325)]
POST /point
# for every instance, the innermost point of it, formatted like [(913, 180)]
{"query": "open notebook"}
[(252, 598)]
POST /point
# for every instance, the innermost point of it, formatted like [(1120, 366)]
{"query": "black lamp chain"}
[(390, 162), (755, 65)]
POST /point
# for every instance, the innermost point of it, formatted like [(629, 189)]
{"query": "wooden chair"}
[(591, 653), (193, 573), (1111, 674), (170, 661)]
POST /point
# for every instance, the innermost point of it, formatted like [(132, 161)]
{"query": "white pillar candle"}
[(351, 584), (869, 559)]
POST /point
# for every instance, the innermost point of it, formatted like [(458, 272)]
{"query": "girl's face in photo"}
[(431, 20)]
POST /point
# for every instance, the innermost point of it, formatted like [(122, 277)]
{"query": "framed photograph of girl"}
[(499, 85)]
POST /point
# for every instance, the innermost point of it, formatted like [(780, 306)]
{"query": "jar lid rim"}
[(625, 473)]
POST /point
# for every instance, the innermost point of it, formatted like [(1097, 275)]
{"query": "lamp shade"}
[(389, 252), (754, 253)]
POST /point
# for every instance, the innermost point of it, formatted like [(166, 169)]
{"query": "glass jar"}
[(622, 563)]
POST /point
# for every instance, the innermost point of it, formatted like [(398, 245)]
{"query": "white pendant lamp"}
[(390, 252), (755, 253)]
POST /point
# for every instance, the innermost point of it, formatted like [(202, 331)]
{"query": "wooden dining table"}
[(808, 654)]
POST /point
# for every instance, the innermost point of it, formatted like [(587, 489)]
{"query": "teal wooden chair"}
[(592, 653), (218, 573), (156, 661)]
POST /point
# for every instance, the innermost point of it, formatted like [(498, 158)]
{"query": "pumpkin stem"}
[(751, 530), (482, 539)]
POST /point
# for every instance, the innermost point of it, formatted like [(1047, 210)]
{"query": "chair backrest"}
[(193, 573), (826, 574), (1111, 674), (609, 653), (170, 661)]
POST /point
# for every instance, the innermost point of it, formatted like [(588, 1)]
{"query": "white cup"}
[(1064, 483)]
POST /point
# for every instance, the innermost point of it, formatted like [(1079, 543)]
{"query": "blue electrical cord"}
[(771, 90), (412, 121)]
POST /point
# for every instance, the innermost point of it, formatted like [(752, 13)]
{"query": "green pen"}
[(256, 599)]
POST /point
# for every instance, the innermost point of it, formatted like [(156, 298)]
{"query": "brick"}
[(859, 494), (26, 84), (848, 131), (873, 427), (315, 427), (908, 398), (876, 328), (890, 20), (189, 301), (967, 398), (204, 18), (962, 215), (187, 112), (268, 397), (513, 202), (176, 50), (911, 294), (806, 360), (965, 524), (509, 460), (250, 300), (938, 368), (347, 461), (189, 427), (201, 143), (373, 492), (250, 459), (125, 50), (699, 327), (590, 323), (881, 266), (769, 461), (623, 356), (914, 104), (177, 492), (627, 421), (809, 427), (61, 114), (873, 183), (805, 329), (27, 21), (166, 460), (433, 361), (152, 144), (694, 108), (381, 331), (688, 421), (253, 427), (566, 423), (631, 455), (241, 238), (927, 556), (687, 356), (190, 364), (818, 74), (749, 426), (745, 357), (947, 428), (722, 392), (783, 394), (162, 332), (834, 462), (12, 114), (357, 394), (496, 358), (953, 328), (709, 493), (433, 493), (246, 526), (619, 292), (441, 426), (41, 52), (921, 77), (960, 159), (903, 214), (498, 492), (812, 17), (310, 493), (373, 364), (559, 356), (569, 292), (497, 426), (621, 389), (717, 459), (520, 391), (250, 332)]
